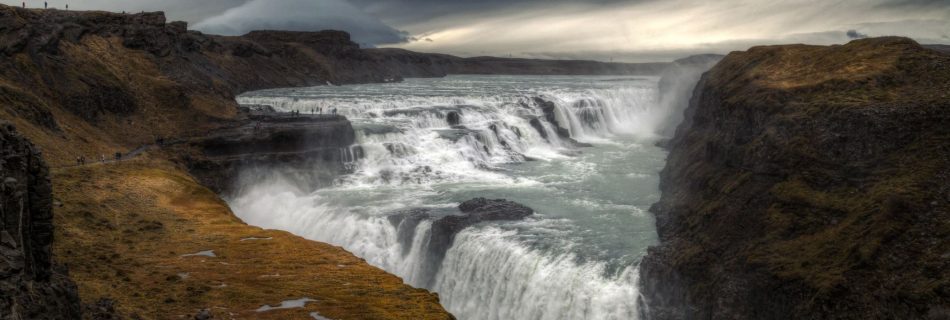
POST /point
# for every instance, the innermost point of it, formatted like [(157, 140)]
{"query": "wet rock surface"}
[(31, 285), (315, 146), (808, 195), (446, 225)]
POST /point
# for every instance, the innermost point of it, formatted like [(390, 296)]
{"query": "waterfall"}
[(427, 147)]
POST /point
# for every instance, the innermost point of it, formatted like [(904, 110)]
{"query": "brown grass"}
[(122, 230)]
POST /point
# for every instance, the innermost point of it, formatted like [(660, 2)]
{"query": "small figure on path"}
[(118, 156), (78, 161), (334, 111), (102, 158)]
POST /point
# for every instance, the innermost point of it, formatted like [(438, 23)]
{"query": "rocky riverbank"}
[(808, 182)]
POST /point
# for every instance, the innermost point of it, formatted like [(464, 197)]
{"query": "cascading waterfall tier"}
[(578, 150)]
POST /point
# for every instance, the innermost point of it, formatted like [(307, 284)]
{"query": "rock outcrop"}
[(315, 147), (445, 227), (808, 182), (473, 212), (31, 285)]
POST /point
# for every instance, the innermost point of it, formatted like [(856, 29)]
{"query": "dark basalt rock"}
[(447, 225), (31, 286), (301, 143), (808, 182), (453, 118), (473, 212)]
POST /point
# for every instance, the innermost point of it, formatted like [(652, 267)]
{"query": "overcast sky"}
[(623, 30)]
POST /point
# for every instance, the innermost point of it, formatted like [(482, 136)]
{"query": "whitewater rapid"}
[(433, 143)]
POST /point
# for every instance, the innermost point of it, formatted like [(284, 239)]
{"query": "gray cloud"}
[(624, 30), (302, 15), (854, 34)]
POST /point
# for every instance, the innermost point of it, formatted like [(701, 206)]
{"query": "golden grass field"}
[(123, 228)]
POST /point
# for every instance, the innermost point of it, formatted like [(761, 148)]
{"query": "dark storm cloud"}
[(854, 34), (595, 29), (412, 11), (915, 4), (302, 15)]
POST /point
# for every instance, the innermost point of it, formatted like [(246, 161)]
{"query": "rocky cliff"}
[(31, 285), (809, 182), (312, 149)]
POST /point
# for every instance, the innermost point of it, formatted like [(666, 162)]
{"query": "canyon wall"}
[(808, 182), (31, 285)]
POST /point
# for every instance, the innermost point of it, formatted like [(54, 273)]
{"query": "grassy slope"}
[(122, 229)]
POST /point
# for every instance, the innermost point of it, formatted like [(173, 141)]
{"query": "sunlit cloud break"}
[(620, 30)]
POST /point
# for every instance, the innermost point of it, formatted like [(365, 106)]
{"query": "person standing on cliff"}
[(45, 5)]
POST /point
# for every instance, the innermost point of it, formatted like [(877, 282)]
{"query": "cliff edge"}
[(809, 182), (142, 239), (31, 285)]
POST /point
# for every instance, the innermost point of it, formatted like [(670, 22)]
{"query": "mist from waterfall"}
[(433, 143)]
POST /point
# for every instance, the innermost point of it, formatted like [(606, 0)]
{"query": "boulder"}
[(453, 118)]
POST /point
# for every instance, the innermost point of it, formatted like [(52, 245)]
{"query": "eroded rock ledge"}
[(809, 182), (446, 227), (315, 147)]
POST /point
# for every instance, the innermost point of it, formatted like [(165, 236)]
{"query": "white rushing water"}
[(576, 258)]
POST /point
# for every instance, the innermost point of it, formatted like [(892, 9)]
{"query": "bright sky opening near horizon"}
[(619, 30)]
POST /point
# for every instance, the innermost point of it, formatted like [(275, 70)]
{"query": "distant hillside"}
[(410, 63)]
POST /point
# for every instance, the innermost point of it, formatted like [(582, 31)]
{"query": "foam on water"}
[(575, 259)]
